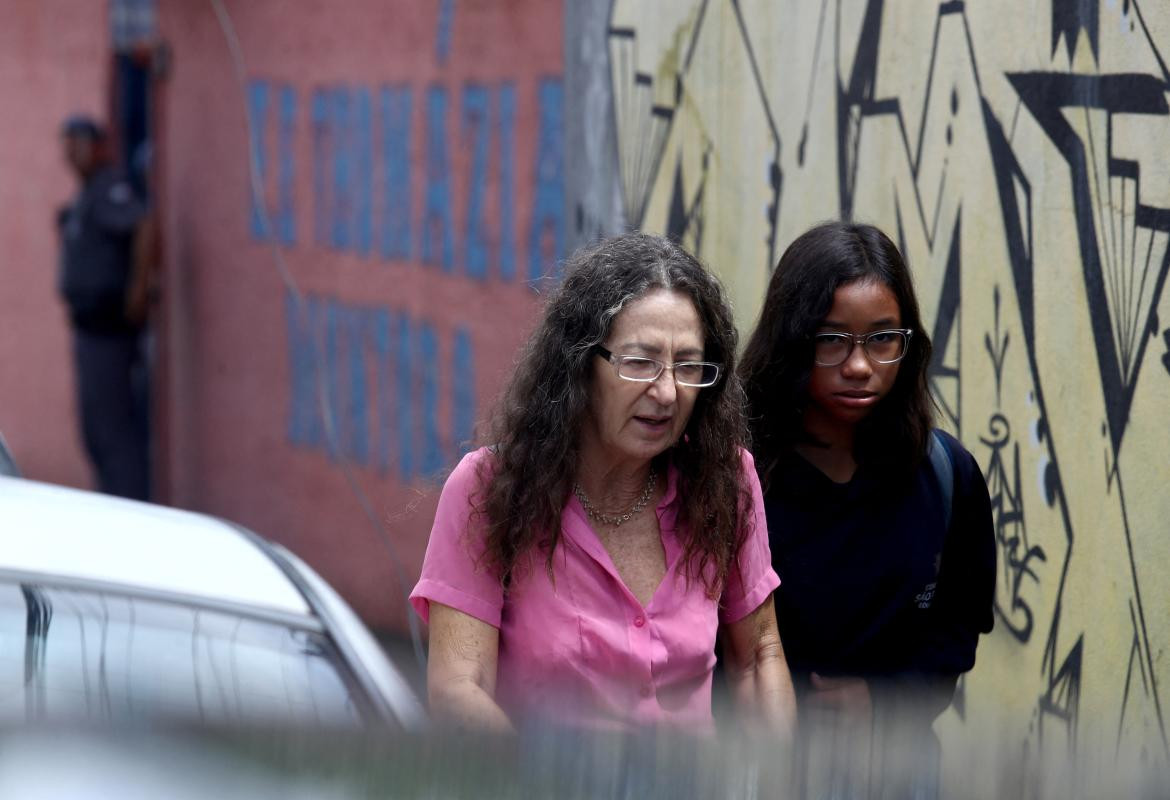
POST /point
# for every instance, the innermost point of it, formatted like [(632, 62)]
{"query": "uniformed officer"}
[(104, 288)]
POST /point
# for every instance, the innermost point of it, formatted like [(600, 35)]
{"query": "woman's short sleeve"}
[(451, 572), (751, 579)]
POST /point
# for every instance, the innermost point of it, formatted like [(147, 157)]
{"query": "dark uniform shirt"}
[(872, 585), (97, 232)]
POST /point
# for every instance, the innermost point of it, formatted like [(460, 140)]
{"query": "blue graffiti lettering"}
[(342, 139), (356, 434), (364, 158), (546, 237), (322, 146), (437, 244), (443, 36), (266, 218), (396, 103), (286, 216), (304, 330), (258, 112), (383, 358), (507, 129), (347, 156), (404, 407), (333, 381), (428, 351), (463, 393), (393, 421), (475, 127)]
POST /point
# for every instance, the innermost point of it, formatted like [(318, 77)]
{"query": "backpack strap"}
[(944, 471)]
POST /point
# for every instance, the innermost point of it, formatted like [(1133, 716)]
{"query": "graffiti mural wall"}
[(1016, 152)]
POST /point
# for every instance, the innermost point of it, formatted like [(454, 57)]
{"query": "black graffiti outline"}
[(1018, 243), (774, 174), (635, 208), (1046, 95), (775, 177), (635, 198), (946, 322), (1141, 614), (687, 218), (1007, 508), (1069, 18), (1135, 656), (997, 348), (1063, 696), (856, 101)]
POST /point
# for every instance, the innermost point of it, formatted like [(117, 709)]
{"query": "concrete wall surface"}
[(1016, 152), (333, 341), (54, 61)]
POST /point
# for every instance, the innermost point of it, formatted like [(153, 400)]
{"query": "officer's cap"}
[(83, 125)]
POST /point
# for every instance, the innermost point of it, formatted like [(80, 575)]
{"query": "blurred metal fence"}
[(541, 762)]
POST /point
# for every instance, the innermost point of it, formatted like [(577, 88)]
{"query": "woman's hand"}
[(461, 671), (758, 672)]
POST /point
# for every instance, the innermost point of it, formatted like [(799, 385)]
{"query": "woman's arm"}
[(461, 671), (757, 671)]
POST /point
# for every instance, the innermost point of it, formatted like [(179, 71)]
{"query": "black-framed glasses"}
[(647, 370), (880, 347)]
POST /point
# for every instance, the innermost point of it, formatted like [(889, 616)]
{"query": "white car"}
[(115, 610)]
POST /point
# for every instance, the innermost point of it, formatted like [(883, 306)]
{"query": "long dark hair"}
[(538, 425), (778, 360)]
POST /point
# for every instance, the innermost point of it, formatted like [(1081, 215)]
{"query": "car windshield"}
[(68, 653)]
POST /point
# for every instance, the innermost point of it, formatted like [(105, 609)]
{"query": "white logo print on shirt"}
[(924, 597)]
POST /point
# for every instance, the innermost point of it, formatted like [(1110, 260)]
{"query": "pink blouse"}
[(580, 648)]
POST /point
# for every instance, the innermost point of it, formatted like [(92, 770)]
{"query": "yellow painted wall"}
[(1020, 155)]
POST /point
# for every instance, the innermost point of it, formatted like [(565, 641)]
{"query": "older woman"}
[(581, 567)]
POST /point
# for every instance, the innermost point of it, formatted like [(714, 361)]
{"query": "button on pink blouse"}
[(580, 648)]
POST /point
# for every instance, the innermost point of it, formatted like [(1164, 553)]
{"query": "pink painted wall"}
[(382, 126), (54, 61)]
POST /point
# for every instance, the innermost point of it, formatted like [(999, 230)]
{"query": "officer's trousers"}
[(112, 398)]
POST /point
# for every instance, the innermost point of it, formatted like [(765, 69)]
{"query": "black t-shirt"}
[(871, 583)]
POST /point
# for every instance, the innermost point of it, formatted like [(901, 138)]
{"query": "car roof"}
[(56, 532)]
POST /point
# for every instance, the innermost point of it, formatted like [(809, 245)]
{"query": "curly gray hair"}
[(539, 422)]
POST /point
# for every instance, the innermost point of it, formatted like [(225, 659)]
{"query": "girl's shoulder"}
[(966, 475), (956, 451)]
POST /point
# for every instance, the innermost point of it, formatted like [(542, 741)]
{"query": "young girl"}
[(885, 551)]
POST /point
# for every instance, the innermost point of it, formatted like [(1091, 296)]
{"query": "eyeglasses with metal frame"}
[(881, 347), (699, 374)]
